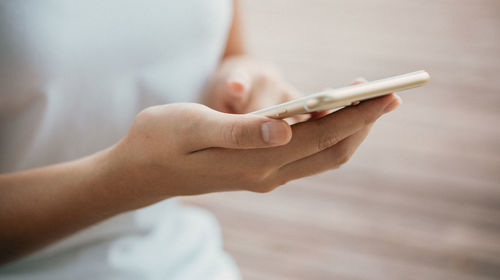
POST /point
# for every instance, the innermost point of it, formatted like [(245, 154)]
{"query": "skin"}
[(200, 149)]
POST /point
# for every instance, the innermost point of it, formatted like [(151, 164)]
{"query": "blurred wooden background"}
[(421, 198)]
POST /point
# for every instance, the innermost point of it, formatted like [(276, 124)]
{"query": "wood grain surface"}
[(420, 199)]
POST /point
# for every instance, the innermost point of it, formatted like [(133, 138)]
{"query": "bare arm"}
[(235, 44), (42, 205), (161, 157)]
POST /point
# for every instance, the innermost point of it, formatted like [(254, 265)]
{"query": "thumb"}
[(243, 131), (238, 85)]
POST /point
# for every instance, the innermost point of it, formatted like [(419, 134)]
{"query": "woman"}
[(91, 160)]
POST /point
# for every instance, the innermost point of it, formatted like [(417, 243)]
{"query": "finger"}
[(319, 115), (330, 158), (297, 119), (359, 80), (315, 136), (214, 129), (394, 104), (291, 93), (265, 92), (237, 89)]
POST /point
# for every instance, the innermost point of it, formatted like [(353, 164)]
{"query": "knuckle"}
[(147, 113), (269, 73), (327, 140), (289, 93), (245, 177), (265, 78), (368, 117), (235, 134), (260, 174), (264, 187), (185, 109), (270, 184), (147, 117), (342, 159), (196, 112), (259, 180), (286, 94)]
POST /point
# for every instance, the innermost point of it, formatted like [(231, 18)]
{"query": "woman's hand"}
[(172, 150), (187, 149), (242, 84)]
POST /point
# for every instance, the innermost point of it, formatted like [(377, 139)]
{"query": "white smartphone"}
[(341, 97)]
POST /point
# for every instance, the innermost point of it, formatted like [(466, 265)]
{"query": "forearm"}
[(40, 206), (235, 44)]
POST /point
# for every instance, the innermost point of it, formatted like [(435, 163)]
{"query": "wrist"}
[(102, 184), (127, 182)]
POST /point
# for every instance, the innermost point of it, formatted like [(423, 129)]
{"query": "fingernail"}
[(359, 80), (274, 132), (236, 86), (393, 105), (238, 81)]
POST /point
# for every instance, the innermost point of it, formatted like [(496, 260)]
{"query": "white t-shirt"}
[(73, 75)]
